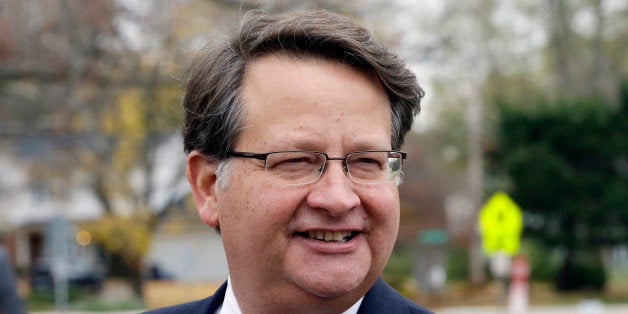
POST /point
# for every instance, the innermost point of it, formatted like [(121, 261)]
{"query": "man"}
[(10, 300), (293, 129)]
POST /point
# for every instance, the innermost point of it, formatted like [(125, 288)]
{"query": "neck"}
[(262, 299)]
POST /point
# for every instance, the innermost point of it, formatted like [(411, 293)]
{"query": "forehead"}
[(313, 99)]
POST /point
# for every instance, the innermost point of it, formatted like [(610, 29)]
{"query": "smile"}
[(330, 236)]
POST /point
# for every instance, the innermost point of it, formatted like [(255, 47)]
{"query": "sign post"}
[(519, 287), (59, 229), (501, 224)]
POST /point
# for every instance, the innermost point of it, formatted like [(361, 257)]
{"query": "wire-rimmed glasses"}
[(304, 167)]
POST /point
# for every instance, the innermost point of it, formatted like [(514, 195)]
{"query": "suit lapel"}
[(382, 299), (216, 300)]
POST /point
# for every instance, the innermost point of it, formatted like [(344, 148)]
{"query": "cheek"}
[(259, 207), (383, 204), (277, 204), (383, 209)]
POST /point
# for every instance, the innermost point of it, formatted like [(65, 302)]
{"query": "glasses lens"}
[(374, 167), (294, 167)]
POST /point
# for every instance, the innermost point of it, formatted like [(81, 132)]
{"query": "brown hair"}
[(214, 114)]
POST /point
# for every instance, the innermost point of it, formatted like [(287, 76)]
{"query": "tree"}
[(93, 106), (91, 87), (567, 166)]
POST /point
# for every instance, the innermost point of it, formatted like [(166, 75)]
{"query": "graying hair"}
[(213, 101), (223, 172)]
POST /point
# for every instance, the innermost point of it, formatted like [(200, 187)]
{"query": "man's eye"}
[(297, 160), (367, 163), (293, 162)]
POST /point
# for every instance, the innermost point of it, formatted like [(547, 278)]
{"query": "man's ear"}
[(201, 173)]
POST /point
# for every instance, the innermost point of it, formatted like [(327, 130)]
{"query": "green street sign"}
[(501, 223), (433, 236)]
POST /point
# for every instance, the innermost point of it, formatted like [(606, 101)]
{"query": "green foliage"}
[(544, 261), (81, 300), (568, 165), (457, 264), (97, 304), (583, 270), (45, 300), (399, 268)]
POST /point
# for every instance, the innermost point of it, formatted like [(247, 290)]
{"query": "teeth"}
[(320, 235), (329, 236)]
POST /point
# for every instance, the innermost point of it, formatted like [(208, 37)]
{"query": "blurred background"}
[(525, 97)]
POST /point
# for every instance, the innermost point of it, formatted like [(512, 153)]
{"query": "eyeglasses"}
[(304, 167)]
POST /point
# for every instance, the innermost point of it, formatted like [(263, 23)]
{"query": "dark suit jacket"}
[(381, 298), (10, 300)]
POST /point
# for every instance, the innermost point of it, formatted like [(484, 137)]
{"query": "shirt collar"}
[(230, 304)]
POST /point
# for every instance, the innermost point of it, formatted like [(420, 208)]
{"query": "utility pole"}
[(475, 174), (475, 103)]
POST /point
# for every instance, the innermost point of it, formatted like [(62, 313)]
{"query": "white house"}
[(194, 254)]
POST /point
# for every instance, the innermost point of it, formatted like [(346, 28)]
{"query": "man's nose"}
[(334, 191)]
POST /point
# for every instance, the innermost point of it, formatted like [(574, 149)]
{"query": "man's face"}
[(316, 105)]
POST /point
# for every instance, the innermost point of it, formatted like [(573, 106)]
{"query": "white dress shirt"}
[(230, 304)]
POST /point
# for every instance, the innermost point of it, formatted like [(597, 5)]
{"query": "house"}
[(28, 214)]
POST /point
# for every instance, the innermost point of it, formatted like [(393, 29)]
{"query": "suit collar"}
[(381, 298)]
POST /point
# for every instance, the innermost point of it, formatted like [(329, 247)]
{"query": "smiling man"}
[(293, 130)]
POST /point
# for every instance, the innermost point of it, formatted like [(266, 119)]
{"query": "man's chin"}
[(334, 286)]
